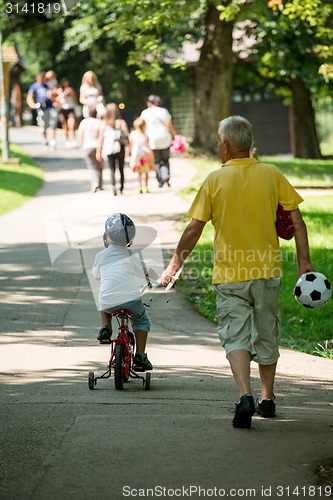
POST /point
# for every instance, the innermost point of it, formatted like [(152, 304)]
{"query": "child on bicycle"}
[(117, 268)]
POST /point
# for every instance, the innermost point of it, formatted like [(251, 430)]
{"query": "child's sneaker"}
[(104, 335), (141, 363)]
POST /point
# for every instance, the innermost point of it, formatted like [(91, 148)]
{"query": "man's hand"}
[(305, 269), (168, 274)]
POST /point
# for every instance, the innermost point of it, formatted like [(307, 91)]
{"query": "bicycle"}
[(122, 348), (122, 353)]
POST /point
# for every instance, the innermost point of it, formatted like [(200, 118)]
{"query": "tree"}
[(131, 40), (288, 50), (214, 78), (291, 46), (157, 31)]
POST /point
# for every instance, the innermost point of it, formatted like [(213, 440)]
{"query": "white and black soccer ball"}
[(312, 290)]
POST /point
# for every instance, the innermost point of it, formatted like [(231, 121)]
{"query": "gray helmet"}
[(120, 229)]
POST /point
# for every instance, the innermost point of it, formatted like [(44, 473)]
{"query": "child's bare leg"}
[(141, 361), (146, 179), (140, 181), (106, 319), (141, 341), (151, 159), (105, 332)]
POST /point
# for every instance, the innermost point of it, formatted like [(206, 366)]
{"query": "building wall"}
[(182, 110), (271, 126), (270, 120)]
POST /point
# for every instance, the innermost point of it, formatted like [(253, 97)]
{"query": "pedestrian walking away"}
[(241, 201), (160, 132), (39, 98), (113, 135), (141, 156), (67, 103), (88, 132)]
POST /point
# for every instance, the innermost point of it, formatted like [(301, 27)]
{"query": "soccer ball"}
[(312, 290)]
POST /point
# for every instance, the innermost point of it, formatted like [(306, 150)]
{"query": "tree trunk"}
[(305, 133), (214, 78)]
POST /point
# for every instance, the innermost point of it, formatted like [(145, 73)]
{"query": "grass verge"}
[(306, 330), (301, 173), (18, 182)]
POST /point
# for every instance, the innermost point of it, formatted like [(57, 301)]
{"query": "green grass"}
[(306, 330), (305, 173), (18, 182), (303, 328)]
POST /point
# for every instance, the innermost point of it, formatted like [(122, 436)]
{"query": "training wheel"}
[(91, 380), (147, 381)]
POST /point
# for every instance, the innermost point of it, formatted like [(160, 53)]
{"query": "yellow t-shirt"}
[(241, 199)]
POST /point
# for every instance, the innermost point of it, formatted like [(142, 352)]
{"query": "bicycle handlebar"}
[(157, 282)]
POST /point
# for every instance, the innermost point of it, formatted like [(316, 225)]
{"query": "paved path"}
[(58, 440)]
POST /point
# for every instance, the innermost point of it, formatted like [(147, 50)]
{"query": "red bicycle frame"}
[(122, 316), (121, 358)]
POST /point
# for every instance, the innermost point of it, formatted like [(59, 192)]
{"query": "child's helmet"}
[(121, 230)]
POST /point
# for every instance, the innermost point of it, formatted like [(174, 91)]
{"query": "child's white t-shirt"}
[(121, 274)]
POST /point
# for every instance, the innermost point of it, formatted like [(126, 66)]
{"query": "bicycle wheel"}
[(119, 367), (91, 380)]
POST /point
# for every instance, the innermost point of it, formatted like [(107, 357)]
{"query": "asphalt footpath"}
[(60, 440)]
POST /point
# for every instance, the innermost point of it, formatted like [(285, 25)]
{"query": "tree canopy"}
[(133, 41)]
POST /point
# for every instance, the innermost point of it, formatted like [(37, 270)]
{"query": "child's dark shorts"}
[(139, 319)]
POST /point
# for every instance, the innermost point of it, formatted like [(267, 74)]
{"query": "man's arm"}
[(171, 128), (302, 244), (185, 246), (100, 144), (31, 101)]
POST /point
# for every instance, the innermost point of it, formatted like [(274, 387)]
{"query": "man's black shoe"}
[(265, 408), (243, 412)]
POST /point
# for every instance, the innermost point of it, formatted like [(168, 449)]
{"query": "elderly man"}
[(241, 200)]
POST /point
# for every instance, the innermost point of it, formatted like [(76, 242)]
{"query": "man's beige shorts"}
[(248, 318)]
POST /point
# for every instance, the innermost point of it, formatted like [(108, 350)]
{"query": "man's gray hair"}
[(237, 130)]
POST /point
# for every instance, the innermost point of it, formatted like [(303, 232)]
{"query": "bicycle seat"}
[(125, 312)]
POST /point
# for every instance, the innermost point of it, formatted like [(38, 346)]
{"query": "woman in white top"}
[(110, 144), (91, 94), (160, 132)]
